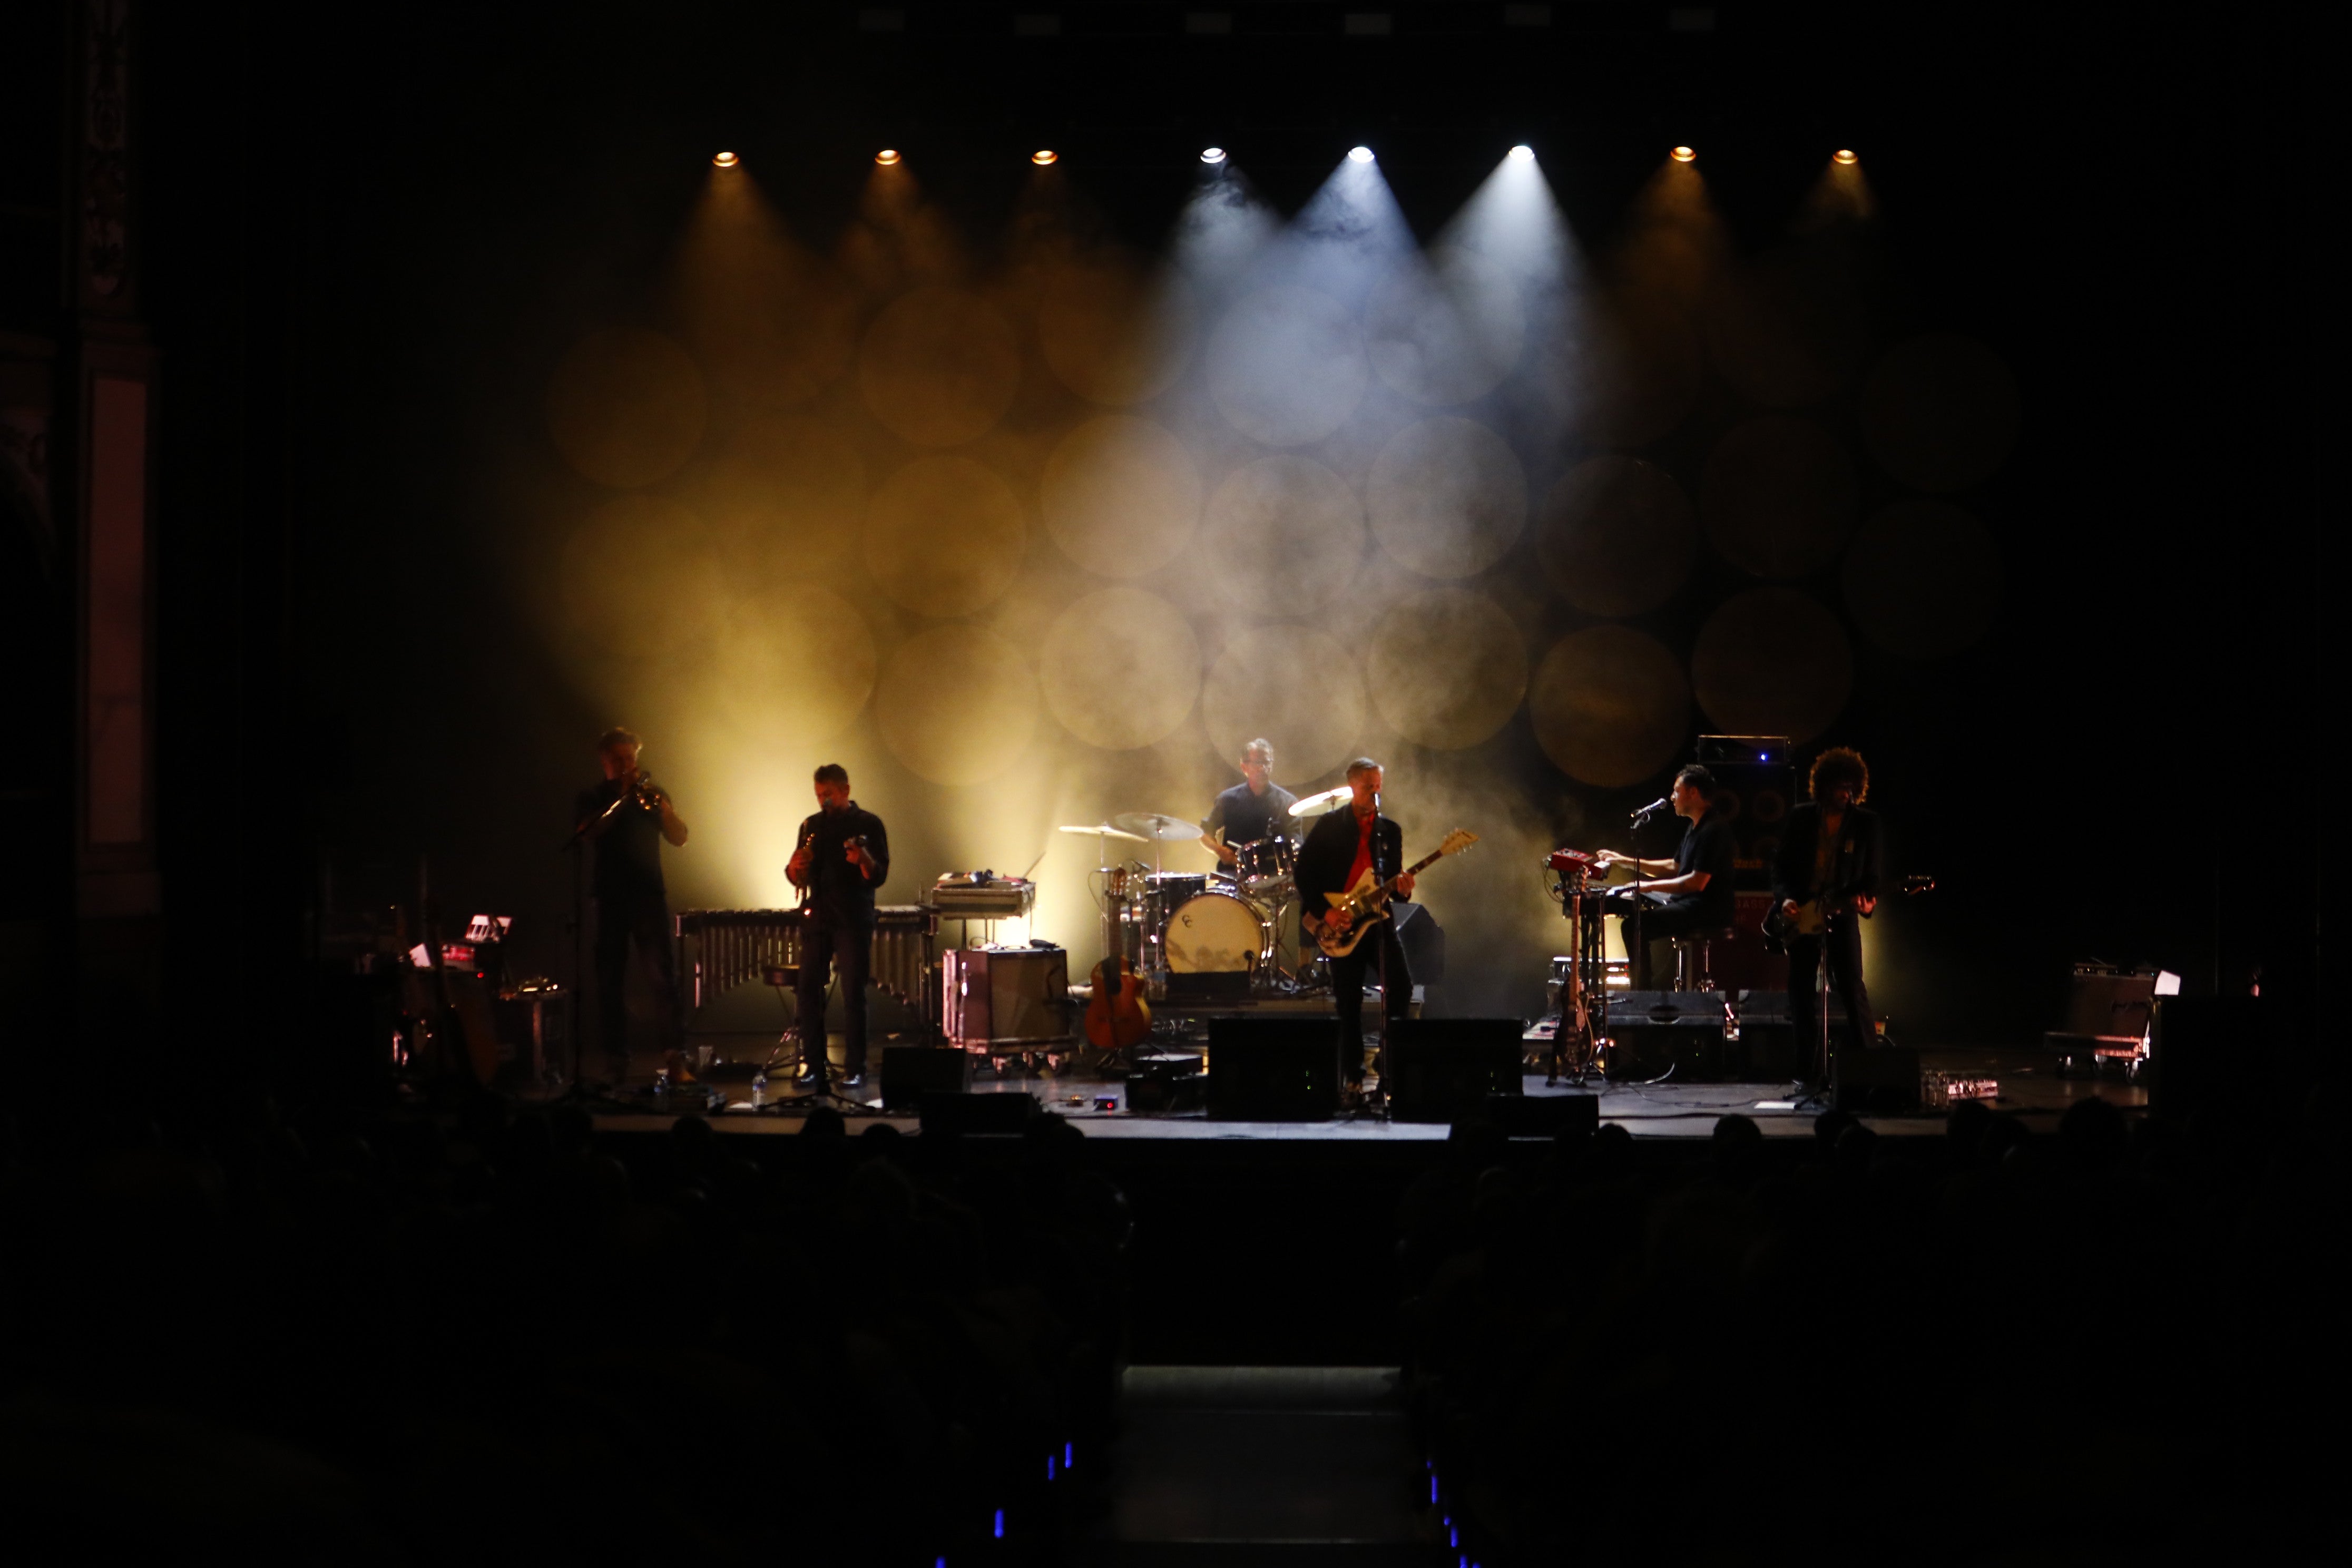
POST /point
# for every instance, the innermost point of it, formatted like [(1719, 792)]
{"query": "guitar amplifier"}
[(1016, 997)]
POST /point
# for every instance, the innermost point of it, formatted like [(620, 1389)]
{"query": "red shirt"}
[(1363, 849)]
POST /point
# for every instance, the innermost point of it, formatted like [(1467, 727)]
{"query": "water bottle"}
[(661, 1086), (758, 1088)]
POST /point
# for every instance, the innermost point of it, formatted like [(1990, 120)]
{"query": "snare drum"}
[(1218, 934), (1262, 861)]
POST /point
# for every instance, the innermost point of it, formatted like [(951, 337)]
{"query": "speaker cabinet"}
[(1444, 1069), (1545, 1115), (952, 1115), (1274, 1069), (1651, 1033), (911, 1072), (2202, 1049)]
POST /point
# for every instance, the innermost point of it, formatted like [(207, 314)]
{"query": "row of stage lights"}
[(890, 156)]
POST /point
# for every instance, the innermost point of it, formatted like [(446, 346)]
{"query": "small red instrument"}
[(1572, 860)]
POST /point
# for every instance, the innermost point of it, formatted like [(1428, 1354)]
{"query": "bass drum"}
[(1218, 934)]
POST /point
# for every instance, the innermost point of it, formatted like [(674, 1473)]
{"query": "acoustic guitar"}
[(1117, 1015)]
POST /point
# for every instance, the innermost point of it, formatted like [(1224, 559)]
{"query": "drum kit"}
[(1224, 923)]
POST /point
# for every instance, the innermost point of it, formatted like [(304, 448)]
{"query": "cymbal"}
[(1104, 830), (1316, 804), (1153, 825)]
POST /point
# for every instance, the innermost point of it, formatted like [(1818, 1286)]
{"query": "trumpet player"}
[(629, 817)]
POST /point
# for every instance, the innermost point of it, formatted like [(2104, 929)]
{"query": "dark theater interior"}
[(1240, 781)]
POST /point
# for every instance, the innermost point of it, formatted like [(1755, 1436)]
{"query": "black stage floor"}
[(2030, 1087)]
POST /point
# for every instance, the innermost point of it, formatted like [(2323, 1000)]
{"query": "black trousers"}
[(1661, 918), (1842, 941), (1380, 947), (828, 944), (646, 922)]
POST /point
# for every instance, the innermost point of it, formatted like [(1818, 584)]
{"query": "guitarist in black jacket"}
[(1342, 845), (1825, 876)]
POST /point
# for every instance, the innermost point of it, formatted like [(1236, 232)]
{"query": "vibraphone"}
[(734, 947)]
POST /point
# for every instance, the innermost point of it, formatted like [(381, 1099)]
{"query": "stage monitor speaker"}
[(911, 1072), (1444, 1069), (1653, 1031), (952, 1115), (1545, 1115), (1274, 1069), (1878, 1080), (2204, 1051)]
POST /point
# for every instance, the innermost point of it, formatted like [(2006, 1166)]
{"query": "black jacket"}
[(1330, 850), (1855, 870), (836, 889)]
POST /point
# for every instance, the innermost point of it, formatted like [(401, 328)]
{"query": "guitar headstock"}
[(1457, 841)]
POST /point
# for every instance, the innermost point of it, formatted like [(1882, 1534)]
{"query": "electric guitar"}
[(1779, 927), (1365, 905)]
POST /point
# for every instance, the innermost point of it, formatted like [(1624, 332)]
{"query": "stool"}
[(1691, 951)]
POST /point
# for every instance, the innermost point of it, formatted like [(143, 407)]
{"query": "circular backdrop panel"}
[(1446, 497), (1779, 497), (1611, 705), (1121, 496), (957, 704), (785, 495), (802, 668), (1616, 536), (1773, 661), (1448, 668), (1447, 333), (1287, 365), (944, 536), (1121, 669), (940, 366), (626, 407), (1115, 335), (1297, 686), (1284, 536), (641, 581)]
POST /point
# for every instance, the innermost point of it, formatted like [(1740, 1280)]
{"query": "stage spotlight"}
[(1523, 153), (1844, 155), (1042, 156), (888, 156), (1686, 155), (725, 160), (1213, 154), (1359, 155)]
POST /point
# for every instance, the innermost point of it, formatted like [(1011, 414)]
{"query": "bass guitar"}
[(1365, 905)]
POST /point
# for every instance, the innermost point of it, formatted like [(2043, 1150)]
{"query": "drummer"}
[(1255, 808)]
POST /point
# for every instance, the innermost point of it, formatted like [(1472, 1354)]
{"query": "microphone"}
[(1651, 810)]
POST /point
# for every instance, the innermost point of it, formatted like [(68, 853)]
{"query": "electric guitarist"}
[(1825, 876), (1342, 847)]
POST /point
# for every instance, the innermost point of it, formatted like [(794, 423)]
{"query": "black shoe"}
[(850, 1080), (806, 1079)]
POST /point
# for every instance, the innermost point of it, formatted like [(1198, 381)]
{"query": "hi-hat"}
[(1103, 829), (1154, 824), (1316, 804)]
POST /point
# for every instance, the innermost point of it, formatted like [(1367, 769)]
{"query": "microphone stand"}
[(571, 845)]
